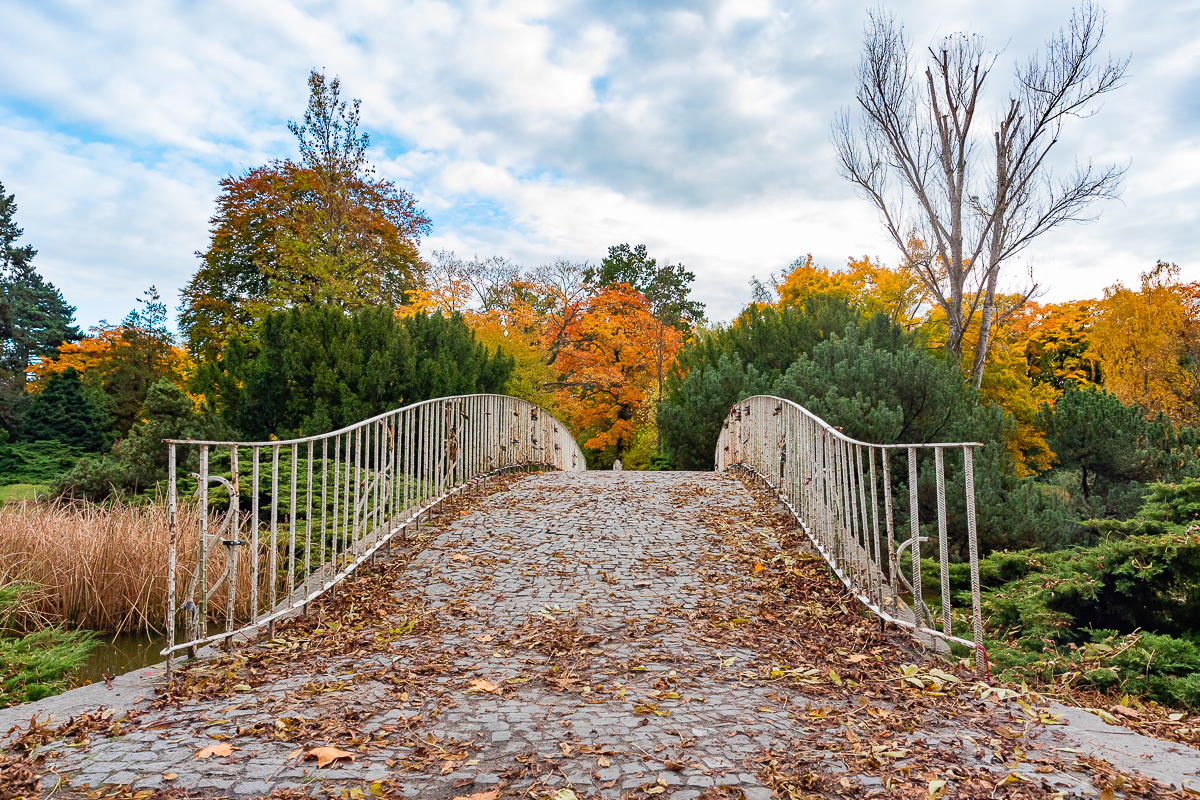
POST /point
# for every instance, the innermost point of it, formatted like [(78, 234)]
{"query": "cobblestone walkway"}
[(557, 640)]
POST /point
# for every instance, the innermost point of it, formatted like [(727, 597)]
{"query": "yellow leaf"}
[(565, 794), (222, 749), (327, 755), (833, 676), (937, 788), (759, 567)]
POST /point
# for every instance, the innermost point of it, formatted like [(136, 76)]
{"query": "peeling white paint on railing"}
[(833, 485), (362, 485)]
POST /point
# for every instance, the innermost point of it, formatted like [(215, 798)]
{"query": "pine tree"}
[(64, 412), (34, 318)]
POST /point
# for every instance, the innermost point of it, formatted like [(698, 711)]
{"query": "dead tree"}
[(961, 197)]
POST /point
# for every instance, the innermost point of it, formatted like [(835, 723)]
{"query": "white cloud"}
[(539, 129)]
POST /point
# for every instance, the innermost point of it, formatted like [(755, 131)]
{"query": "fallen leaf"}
[(759, 567), (674, 766), (169, 776), (491, 794), (222, 749), (937, 788), (857, 657), (565, 794), (1125, 711), (327, 755), (480, 685), (460, 557), (605, 761)]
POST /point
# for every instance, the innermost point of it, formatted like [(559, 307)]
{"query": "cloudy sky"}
[(539, 130)]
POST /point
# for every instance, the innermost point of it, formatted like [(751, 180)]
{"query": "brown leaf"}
[(604, 761), (480, 685), (460, 557), (222, 749), (491, 794), (327, 755), (169, 776), (674, 766), (1126, 711)]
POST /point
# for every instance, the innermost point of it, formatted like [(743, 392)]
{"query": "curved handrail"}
[(831, 484), (376, 477)]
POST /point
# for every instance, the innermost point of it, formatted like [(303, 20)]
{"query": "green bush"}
[(36, 665), (35, 462)]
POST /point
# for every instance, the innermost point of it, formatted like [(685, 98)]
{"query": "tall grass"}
[(103, 567)]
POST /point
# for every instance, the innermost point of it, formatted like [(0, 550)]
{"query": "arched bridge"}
[(442, 602)]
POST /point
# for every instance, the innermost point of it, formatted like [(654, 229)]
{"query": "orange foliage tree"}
[(122, 360), (607, 366)]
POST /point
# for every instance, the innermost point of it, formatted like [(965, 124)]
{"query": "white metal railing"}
[(838, 488), (345, 494)]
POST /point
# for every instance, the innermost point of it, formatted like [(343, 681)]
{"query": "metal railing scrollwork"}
[(840, 490), (308, 511)]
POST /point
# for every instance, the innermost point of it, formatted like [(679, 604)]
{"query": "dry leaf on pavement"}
[(222, 749), (326, 755), (480, 685), (491, 794)]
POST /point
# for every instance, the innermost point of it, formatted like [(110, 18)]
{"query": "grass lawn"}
[(22, 491)]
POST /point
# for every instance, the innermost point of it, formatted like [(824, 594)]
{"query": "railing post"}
[(976, 604), (915, 531), (172, 539), (943, 545), (202, 568)]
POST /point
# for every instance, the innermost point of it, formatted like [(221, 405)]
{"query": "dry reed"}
[(103, 568)]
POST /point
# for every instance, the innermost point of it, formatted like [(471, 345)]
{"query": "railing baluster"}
[(914, 526), (273, 566), (976, 603), (943, 546), (291, 581), (308, 526), (231, 552), (172, 540), (255, 604), (202, 568)]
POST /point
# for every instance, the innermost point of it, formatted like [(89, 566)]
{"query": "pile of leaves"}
[(867, 690)]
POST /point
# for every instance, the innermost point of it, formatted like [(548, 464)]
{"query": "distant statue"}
[(617, 466)]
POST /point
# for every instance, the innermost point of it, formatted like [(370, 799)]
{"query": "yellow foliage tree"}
[(864, 283), (1146, 343)]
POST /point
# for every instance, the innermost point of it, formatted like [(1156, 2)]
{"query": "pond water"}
[(116, 655)]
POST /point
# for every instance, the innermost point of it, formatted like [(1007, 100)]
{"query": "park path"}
[(578, 635)]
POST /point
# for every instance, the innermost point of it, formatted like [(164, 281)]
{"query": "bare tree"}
[(960, 198)]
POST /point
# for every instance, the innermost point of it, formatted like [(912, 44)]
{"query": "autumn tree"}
[(864, 283), (975, 196), (606, 371), (1146, 343), (120, 362), (324, 230)]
